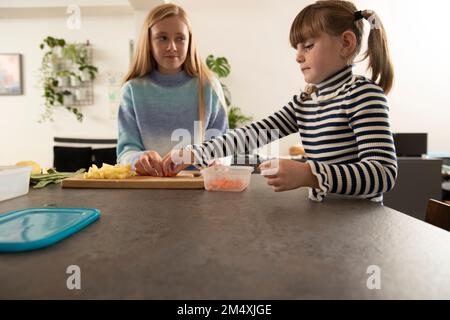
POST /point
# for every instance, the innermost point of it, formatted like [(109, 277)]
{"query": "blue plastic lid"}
[(35, 228)]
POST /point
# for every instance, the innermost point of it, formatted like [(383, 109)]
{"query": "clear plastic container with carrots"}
[(227, 178)]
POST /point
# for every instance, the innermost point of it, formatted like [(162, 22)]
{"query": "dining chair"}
[(438, 214)]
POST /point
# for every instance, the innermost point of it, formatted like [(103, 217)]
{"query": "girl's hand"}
[(215, 162), (285, 175), (149, 164), (175, 161)]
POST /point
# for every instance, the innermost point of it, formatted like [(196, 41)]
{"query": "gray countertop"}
[(257, 244)]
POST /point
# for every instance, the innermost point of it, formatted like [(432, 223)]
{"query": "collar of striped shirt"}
[(335, 81)]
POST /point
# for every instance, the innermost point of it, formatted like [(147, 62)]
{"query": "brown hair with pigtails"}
[(334, 17)]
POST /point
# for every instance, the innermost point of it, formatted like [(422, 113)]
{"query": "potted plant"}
[(75, 80), (79, 55), (87, 72), (63, 78), (68, 99), (236, 118), (63, 61), (222, 69)]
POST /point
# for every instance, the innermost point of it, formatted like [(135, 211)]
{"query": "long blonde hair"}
[(143, 61), (335, 17)]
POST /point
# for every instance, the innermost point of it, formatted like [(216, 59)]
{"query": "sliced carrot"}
[(225, 184)]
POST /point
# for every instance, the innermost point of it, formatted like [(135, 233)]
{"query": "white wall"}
[(21, 137), (253, 35)]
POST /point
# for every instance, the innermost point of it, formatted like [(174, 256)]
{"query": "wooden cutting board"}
[(182, 181)]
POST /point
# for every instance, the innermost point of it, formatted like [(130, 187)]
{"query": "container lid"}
[(35, 228)]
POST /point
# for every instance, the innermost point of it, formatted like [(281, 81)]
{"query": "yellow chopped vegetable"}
[(107, 171)]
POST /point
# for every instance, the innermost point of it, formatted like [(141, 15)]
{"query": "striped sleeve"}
[(245, 140), (375, 172)]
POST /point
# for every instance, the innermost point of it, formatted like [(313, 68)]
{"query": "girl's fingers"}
[(166, 168), (167, 165), (214, 163), (269, 168), (139, 169), (275, 182), (174, 169), (174, 162), (164, 165), (278, 189), (155, 162), (270, 173), (142, 169), (264, 165), (157, 166), (178, 160), (148, 166)]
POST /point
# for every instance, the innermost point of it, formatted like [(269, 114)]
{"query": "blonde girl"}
[(167, 88)]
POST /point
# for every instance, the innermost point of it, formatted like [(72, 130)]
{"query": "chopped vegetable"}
[(107, 171), (36, 168), (52, 176), (225, 184)]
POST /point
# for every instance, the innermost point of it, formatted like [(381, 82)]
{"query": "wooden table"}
[(257, 244)]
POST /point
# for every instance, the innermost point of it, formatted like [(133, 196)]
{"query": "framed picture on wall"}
[(11, 74)]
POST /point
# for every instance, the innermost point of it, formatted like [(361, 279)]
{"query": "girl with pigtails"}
[(342, 118)]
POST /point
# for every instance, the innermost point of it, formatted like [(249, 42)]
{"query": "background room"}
[(252, 35)]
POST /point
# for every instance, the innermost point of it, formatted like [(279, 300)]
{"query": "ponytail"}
[(335, 17), (380, 62)]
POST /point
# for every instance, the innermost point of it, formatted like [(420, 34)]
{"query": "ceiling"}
[(29, 4)]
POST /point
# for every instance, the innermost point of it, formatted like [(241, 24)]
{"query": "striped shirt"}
[(344, 128)]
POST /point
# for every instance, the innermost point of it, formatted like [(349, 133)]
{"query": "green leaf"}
[(51, 170), (219, 66), (222, 68), (236, 119)]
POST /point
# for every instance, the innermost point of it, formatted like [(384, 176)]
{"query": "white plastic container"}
[(227, 178), (14, 181)]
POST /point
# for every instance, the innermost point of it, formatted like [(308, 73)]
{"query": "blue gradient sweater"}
[(154, 106)]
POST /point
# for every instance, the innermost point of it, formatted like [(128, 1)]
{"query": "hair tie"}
[(309, 90), (374, 20), (358, 15)]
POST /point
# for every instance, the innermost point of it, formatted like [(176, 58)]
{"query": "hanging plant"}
[(63, 61)]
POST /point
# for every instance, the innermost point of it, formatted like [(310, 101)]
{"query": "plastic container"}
[(14, 181), (226, 178)]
